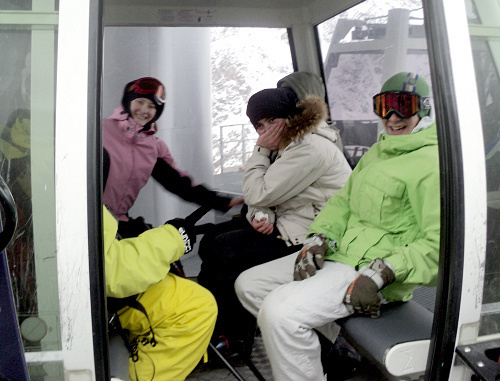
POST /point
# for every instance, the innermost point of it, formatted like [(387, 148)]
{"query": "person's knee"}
[(242, 285), (274, 312), (221, 252), (209, 305)]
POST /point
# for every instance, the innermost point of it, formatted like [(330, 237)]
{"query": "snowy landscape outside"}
[(246, 60)]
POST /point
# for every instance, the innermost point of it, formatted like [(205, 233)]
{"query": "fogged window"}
[(361, 48), (244, 61), (27, 90)]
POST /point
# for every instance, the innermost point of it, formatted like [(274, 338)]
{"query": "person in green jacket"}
[(169, 319), (375, 241)]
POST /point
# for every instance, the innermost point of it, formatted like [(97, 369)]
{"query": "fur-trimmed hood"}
[(314, 113)]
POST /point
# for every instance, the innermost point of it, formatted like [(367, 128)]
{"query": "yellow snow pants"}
[(182, 315)]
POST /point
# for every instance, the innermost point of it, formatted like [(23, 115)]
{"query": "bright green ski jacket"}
[(390, 209)]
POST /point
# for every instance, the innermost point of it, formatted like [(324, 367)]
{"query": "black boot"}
[(340, 360)]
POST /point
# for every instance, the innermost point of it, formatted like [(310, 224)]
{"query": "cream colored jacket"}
[(293, 185)]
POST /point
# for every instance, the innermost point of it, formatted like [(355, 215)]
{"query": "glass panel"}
[(244, 61), (484, 24), (362, 47), (15, 167), (27, 91), (15, 5)]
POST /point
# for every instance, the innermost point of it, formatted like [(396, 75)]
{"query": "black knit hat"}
[(272, 103), (149, 88)]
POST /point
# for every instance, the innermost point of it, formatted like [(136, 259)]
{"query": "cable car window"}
[(484, 27), (223, 64), (27, 88), (244, 61), (360, 48)]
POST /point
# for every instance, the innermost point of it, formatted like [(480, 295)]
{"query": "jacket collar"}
[(126, 121), (314, 113), (397, 144)]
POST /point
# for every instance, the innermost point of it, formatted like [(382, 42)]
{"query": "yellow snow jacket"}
[(132, 265)]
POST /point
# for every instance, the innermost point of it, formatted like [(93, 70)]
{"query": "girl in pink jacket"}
[(135, 154)]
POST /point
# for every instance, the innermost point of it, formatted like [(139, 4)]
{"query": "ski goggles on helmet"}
[(404, 104), (149, 86)]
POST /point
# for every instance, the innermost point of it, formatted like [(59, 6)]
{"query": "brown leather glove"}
[(362, 297), (311, 257)]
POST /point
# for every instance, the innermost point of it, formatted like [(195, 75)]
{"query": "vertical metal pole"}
[(221, 148)]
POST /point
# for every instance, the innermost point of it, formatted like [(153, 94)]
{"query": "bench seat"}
[(397, 342)]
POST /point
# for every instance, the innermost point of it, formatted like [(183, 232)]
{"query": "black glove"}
[(362, 297), (311, 257), (187, 232)]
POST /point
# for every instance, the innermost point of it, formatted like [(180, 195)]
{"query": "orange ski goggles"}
[(404, 104)]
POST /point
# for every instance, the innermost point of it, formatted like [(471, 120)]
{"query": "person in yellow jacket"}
[(173, 334)]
